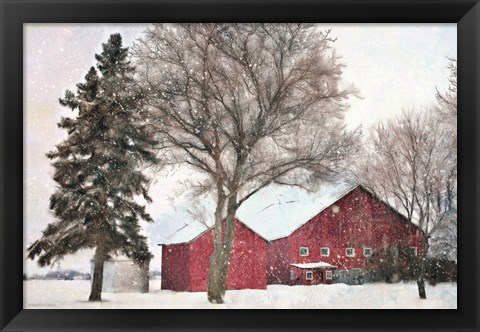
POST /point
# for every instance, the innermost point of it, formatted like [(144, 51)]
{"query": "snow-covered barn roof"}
[(272, 213), (317, 265), (278, 210), (187, 233), (191, 231), (197, 221)]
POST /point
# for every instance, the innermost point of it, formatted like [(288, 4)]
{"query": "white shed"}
[(121, 275)]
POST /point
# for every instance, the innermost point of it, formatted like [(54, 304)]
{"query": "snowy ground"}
[(60, 294)]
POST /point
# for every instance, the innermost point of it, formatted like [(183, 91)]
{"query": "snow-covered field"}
[(60, 294)]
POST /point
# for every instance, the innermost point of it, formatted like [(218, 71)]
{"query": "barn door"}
[(318, 277)]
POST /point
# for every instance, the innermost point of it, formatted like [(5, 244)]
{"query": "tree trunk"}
[(214, 293), (217, 276), (422, 272), (421, 288), (220, 259), (97, 279)]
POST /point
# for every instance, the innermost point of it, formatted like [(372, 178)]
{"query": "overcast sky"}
[(394, 66)]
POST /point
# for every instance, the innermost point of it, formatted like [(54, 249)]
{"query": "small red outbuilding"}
[(185, 259), (312, 273)]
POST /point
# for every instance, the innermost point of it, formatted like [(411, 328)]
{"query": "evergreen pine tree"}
[(98, 169)]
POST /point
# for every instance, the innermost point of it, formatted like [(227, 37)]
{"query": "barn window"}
[(413, 251), (367, 252), (303, 251), (328, 275), (350, 252), (325, 251), (309, 275), (292, 275)]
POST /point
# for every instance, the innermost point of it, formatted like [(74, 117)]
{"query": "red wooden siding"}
[(279, 257), (200, 251), (175, 267), (249, 260)]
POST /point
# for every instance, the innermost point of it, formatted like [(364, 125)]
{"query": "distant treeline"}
[(71, 275), (60, 275)]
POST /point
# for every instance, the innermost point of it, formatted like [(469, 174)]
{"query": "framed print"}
[(302, 160)]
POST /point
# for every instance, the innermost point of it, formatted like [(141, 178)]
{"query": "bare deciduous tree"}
[(444, 238), (447, 102), (246, 105), (409, 166)]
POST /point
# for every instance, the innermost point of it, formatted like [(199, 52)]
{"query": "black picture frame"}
[(15, 13)]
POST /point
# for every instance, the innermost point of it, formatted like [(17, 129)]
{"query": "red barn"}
[(185, 259), (288, 235), (337, 228)]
